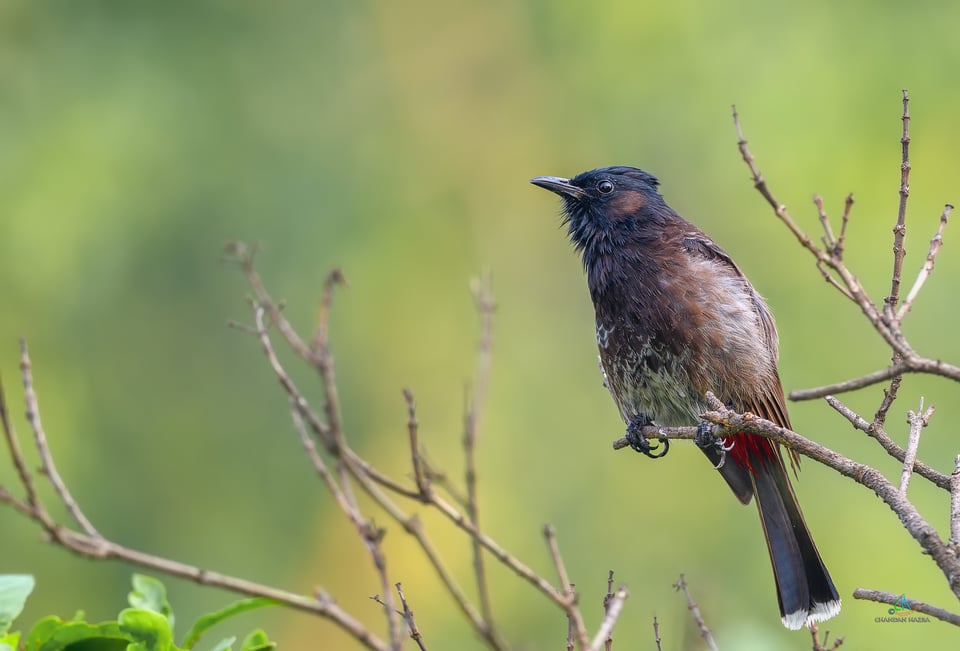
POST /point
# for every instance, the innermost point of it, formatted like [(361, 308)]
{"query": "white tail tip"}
[(820, 611)]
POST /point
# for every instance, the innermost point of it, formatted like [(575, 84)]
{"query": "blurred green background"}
[(395, 140)]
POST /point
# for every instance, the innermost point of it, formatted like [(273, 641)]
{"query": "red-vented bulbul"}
[(677, 318)]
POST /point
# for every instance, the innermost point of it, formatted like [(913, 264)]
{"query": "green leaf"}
[(54, 634), (226, 644), (10, 642), (210, 620), (150, 630), (150, 594), (258, 641), (14, 590)]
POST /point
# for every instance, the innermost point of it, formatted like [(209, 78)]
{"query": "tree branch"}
[(730, 422), (681, 585), (876, 431), (900, 230), (897, 600)]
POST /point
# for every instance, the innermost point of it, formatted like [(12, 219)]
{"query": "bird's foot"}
[(706, 439), (640, 443)]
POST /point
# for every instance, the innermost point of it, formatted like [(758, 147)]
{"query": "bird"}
[(676, 318)]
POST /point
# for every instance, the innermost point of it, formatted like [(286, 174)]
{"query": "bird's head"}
[(607, 208)]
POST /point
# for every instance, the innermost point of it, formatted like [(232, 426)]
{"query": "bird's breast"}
[(667, 338)]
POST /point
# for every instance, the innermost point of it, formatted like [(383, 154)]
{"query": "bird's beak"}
[(563, 187)]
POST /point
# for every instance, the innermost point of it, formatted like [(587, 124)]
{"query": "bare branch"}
[(955, 506), (681, 585), (419, 476), (411, 623), (730, 422), (927, 267), (656, 633), (20, 506), (845, 386), (876, 431), (917, 421), (369, 534), (48, 468), (855, 419), (841, 240), (613, 610), (243, 256), (910, 363), (830, 259), (900, 230), (607, 602), (889, 396), (829, 241), (834, 282), (821, 645), (569, 596), (483, 298), (761, 185), (33, 505), (653, 431), (898, 600)]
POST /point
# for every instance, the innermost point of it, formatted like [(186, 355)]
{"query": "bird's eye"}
[(605, 187)]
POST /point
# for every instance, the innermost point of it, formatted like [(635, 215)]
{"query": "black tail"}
[(804, 588)]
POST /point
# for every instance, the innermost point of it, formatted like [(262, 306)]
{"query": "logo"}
[(901, 612)]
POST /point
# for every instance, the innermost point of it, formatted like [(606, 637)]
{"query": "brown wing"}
[(769, 402)]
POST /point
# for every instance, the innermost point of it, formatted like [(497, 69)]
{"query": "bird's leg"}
[(639, 442), (706, 439)]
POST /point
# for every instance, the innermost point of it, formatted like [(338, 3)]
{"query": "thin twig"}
[(369, 534), (607, 601), (322, 361), (681, 585), (917, 421), (485, 304), (19, 462), (656, 633), (955, 506), (21, 507), (889, 396), (899, 600), (419, 477), (834, 282), (48, 468), (900, 230), (841, 240), (604, 636), (821, 645), (829, 241), (411, 622), (371, 479), (411, 524), (569, 596), (852, 287), (761, 185), (440, 478), (244, 255), (927, 267), (909, 364), (876, 431)]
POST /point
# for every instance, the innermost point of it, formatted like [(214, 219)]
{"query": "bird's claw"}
[(641, 443), (706, 439)]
